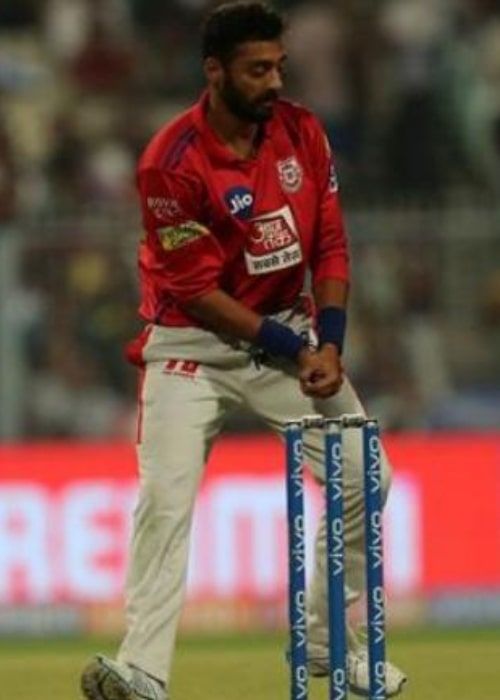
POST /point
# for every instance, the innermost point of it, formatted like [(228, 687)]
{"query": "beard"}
[(258, 110)]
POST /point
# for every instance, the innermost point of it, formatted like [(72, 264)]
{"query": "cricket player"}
[(239, 201)]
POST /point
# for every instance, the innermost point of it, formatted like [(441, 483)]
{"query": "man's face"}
[(252, 80)]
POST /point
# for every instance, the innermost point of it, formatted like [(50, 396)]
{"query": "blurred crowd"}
[(408, 90), (409, 94)]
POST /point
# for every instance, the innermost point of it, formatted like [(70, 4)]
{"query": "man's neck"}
[(240, 136)]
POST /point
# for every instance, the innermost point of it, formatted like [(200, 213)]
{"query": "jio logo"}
[(240, 202)]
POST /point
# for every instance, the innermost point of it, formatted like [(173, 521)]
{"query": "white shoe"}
[(358, 673), (105, 679)]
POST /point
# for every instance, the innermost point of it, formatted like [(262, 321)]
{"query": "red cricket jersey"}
[(249, 227)]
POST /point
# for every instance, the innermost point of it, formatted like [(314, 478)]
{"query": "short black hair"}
[(233, 23)]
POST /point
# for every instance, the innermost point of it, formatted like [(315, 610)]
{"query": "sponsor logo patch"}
[(173, 237), (239, 201), (290, 174), (333, 183), (164, 207), (273, 243)]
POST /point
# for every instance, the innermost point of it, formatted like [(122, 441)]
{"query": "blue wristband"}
[(331, 326), (277, 339)]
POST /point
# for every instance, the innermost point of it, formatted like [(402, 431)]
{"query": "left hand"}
[(328, 374)]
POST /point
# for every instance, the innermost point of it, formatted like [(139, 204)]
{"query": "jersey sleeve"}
[(330, 256), (184, 255)]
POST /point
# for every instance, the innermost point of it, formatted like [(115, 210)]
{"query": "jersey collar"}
[(217, 148)]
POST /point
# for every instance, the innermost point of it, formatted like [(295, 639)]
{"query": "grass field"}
[(442, 665)]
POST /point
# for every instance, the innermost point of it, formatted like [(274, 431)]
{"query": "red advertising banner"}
[(65, 514)]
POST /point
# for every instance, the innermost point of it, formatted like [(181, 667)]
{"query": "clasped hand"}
[(320, 371)]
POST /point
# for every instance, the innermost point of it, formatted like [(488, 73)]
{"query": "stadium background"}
[(409, 92)]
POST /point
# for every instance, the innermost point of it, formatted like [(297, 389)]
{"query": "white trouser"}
[(182, 413)]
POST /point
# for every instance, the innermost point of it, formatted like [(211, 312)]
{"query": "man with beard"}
[(239, 200)]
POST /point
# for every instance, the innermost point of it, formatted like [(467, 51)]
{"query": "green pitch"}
[(442, 665)]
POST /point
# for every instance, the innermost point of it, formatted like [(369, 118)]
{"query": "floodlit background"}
[(409, 93)]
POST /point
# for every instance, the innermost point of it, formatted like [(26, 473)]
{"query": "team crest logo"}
[(290, 174)]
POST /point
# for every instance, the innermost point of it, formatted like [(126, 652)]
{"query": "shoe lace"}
[(146, 686)]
